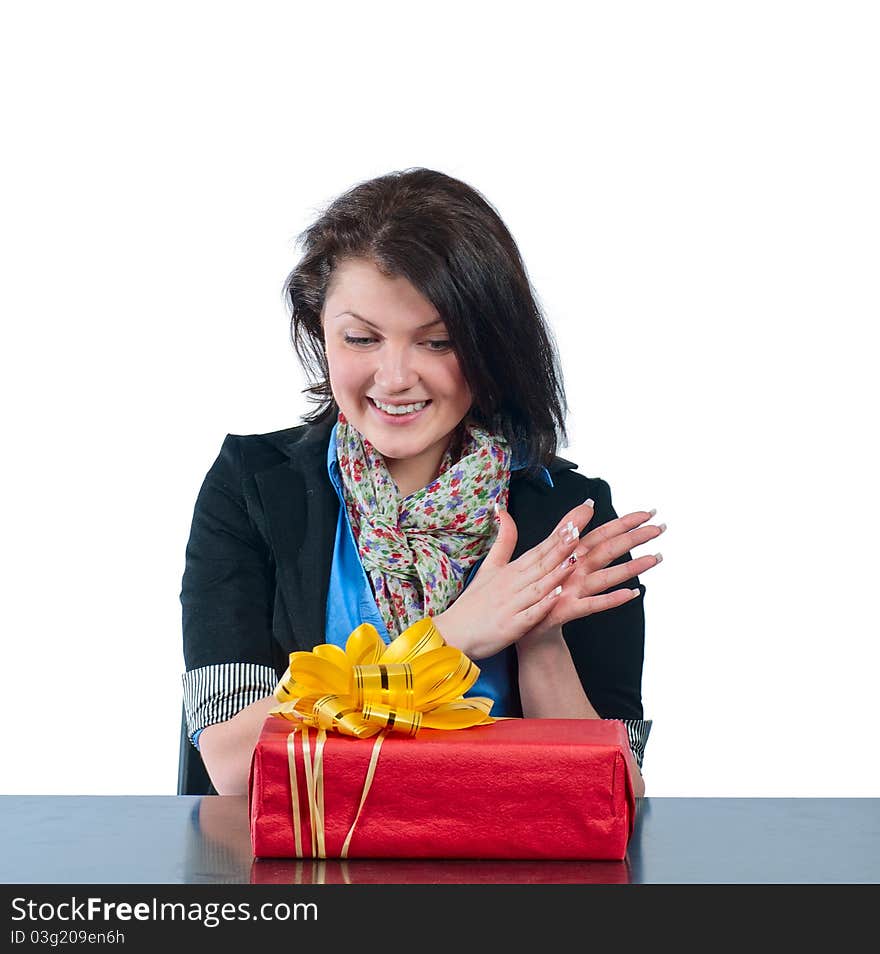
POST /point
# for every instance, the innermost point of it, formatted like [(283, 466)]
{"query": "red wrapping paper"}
[(517, 789)]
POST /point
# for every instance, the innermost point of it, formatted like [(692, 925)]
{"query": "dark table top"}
[(205, 839)]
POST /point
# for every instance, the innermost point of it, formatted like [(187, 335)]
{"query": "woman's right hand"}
[(506, 600)]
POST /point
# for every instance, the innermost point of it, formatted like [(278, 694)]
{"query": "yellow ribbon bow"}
[(370, 689), (416, 681)]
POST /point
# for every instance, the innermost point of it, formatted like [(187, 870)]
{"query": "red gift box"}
[(515, 789)]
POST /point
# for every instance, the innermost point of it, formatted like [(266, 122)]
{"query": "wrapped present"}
[(385, 758)]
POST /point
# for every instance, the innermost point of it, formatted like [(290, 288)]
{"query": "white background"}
[(694, 188)]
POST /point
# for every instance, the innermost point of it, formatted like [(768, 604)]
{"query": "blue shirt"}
[(350, 600)]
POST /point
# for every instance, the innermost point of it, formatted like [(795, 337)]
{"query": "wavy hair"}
[(448, 241)]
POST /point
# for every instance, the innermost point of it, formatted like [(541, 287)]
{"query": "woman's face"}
[(386, 345)]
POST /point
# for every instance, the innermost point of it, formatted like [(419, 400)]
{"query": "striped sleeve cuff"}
[(637, 731), (216, 693)]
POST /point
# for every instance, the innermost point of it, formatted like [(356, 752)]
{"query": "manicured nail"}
[(497, 510), (636, 592), (588, 502), (661, 527), (566, 532), (653, 512), (658, 557), (557, 591)]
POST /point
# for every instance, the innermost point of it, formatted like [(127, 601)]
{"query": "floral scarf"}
[(417, 551)]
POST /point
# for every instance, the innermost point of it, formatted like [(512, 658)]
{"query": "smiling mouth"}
[(400, 410)]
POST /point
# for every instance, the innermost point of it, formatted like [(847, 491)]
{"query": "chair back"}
[(192, 776)]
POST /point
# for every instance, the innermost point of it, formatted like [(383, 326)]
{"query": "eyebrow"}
[(366, 321)]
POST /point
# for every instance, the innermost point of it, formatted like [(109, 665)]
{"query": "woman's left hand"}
[(585, 590)]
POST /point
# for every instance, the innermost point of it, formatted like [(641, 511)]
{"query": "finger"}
[(598, 581), (502, 548), (529, 617), (519, 600), (590, 605), (557, 546), (617, 526), (608, 550)]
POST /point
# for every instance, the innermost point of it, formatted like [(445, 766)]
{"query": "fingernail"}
[(589, 502), (661, 527), (636, 592), (497, 510), (566, 532), (557, 591), (658, 557), (653, 512)]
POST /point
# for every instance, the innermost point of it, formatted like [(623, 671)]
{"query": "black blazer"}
[(260, 550)]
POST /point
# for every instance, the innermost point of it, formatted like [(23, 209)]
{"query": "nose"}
[(396, 370)]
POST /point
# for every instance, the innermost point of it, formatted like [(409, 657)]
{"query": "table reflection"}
[(436, 871), (222, 842)]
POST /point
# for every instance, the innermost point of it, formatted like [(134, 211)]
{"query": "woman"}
[(425, 483)]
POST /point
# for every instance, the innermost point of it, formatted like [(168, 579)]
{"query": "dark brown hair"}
[(444, 238)]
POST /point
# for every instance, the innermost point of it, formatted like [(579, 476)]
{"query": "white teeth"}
[(402, 409)]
